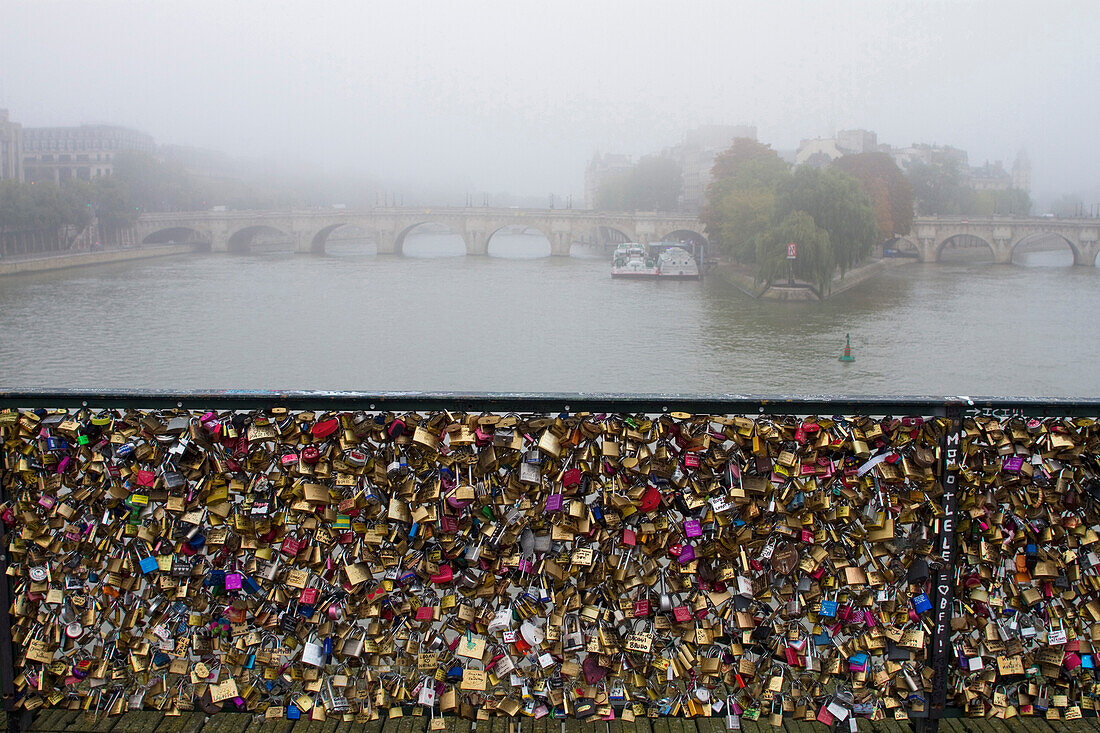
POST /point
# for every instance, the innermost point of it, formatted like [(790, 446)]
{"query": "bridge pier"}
[(477, 242), (1088, 245), (303, 242), (386, 240), (219, 241), (561, 244)]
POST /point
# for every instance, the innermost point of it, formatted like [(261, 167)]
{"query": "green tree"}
[(741, 196), (890, 191), (938, 189), (815, 262), (837, 204), (746, 213), (113, 203), (155, 185)]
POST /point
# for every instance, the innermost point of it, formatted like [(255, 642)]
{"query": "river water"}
[(517, 321)]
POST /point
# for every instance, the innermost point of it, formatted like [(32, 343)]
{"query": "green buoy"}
[(847, 349)]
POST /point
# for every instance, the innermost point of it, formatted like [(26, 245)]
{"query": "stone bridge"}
[(1002, 235), (309, 229)]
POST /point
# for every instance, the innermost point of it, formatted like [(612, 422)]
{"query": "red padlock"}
[(324, 428), (308, 596), (310, 454)]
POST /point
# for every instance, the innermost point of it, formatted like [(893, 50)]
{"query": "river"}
[(522, 322)]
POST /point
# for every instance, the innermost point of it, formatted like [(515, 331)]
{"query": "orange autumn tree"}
[(888, 188)]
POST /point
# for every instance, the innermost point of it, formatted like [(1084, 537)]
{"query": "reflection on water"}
[(516, 321)]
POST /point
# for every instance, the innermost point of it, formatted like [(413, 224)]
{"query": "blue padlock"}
[(292, 712), (921, 604), (148, 564), (326, 646), (215, 578), (829, 608)]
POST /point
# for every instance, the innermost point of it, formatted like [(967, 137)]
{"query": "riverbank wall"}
[(744, 281), (103, 257)]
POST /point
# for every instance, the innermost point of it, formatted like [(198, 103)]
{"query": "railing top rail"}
[(559, 402)]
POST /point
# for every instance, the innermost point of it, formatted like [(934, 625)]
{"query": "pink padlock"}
[(692, 529), (686, 555), (232, 581)]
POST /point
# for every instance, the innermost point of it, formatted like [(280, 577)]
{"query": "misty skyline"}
[(517, 96)]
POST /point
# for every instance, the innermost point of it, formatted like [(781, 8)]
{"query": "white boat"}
[(632, 260), (676, 263)]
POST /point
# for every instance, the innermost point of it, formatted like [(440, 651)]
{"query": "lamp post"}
[(792, 255)]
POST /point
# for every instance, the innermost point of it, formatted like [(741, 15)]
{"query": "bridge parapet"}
[(1003, 234), (309, 228)]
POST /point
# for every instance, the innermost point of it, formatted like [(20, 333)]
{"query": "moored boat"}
[(676, 263), (632, 260)]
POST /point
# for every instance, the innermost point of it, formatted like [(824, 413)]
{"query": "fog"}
[(516, 96)]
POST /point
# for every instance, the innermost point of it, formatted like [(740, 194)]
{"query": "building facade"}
[(56, 154), (989, 177), (11, 148), (598, 170), (696, 156), (821, 151), (1021, 172)]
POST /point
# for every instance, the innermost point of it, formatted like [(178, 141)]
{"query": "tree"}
[(837, 204), (741, 196), (746, 214), (890, 191), (154, 185), (938, 189), (731, 163), (815, 262)]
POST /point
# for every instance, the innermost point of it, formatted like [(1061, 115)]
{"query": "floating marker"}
[(847, 349)]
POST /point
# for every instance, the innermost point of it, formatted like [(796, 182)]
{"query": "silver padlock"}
[(313, 653)]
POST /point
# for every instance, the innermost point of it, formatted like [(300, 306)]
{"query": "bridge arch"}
[(1033, 236), (955, 235), (536, 250), (241, 239), (318, 243), (906, 244), (696, 241), (177, 235), (401, 238)]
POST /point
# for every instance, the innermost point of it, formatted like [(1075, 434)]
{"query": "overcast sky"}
[(516, 96)]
